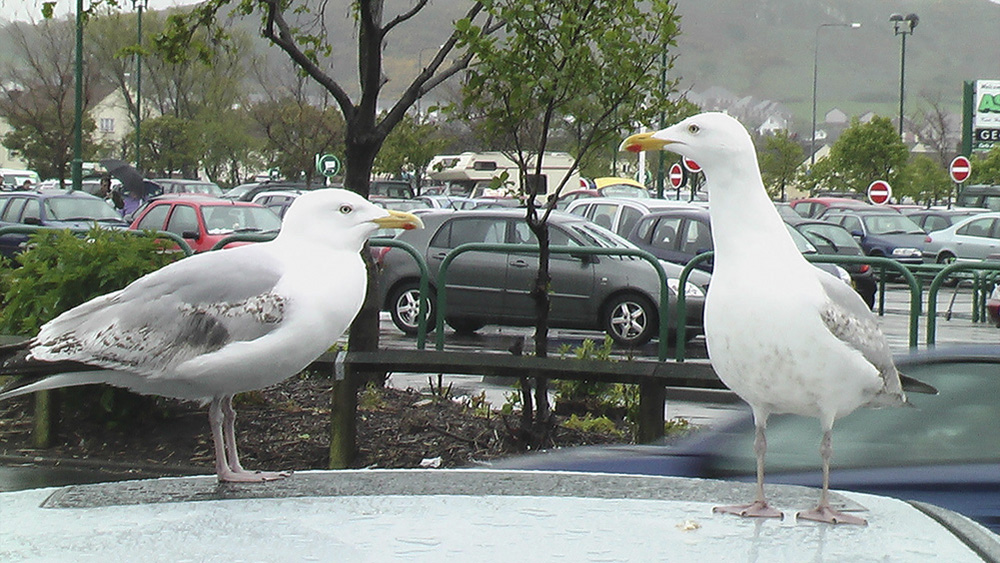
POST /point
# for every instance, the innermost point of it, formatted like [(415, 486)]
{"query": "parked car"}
[(980, 195), (52, 208), (813, 207), (834, 240), (620, 214), (883, 233), (620, 187), (993, 306), (400, 189), (203, 221), (943, 452), (934, 219), (277, 201), (973, 238), (246, 192), (619, 295), (185, 186), (14, 178)]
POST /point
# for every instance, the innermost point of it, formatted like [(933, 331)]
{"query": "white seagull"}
[(801, 342), (219, 323)]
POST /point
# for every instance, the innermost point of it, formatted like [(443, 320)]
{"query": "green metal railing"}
[(244, 237), (424, 282), (911, 280), (32, 229), (571, 250), (979, 299)]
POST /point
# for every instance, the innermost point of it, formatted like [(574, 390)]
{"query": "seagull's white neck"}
[(745, 224)]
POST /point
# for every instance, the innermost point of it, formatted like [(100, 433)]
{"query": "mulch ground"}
[(284, 427)]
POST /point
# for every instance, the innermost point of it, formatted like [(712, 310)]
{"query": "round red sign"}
[(676, 175), (960, 169), (879, 192), (691, 165)]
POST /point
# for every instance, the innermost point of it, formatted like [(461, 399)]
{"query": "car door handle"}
[(519, 264), (439, 255)]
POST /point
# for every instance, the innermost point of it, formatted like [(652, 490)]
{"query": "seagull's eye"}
[(693, 129), (345, 209)]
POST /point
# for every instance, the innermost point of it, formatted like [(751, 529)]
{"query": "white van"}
[(13, 179), (470, 173)]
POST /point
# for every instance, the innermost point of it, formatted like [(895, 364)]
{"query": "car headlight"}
[(690, 289), (906, 251)]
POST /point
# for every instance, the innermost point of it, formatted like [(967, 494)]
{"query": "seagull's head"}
[(710, 139), (341, 217)]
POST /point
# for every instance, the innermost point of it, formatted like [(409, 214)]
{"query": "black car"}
[(52, 208), (931, 220), (942, 452), (834, 240), (619, 295)]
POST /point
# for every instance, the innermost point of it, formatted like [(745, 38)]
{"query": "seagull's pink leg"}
[(823, 511), (222, 419), (759, 508)]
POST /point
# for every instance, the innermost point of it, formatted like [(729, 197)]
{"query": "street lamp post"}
[(903, 26), (138, 5), (77, 164), (852, 25)]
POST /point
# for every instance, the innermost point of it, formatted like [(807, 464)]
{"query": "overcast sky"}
[(31, 10)]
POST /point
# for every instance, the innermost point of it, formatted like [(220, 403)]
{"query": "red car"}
[(203, 221)]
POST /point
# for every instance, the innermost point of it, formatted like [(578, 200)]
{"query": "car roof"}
[(49, 192), (201, 200)]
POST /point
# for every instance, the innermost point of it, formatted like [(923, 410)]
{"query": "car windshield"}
[(828, 236), (956, 426), (222, 219), (79, 208), (804, 246), (891, 224), (624, 190)]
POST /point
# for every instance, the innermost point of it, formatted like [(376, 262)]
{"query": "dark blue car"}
[(946, 451), (52, 208), (885, 233)]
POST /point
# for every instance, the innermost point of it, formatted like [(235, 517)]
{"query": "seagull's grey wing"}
[(850, 320), (191, 307)]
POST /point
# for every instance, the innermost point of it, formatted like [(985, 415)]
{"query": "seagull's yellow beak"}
[(399, 220), (643, 142)]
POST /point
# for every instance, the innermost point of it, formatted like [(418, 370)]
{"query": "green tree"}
[(37, 98), (780, 157), (232, 151), (594, 66), (865, 152), (926, 181), (986, 167), (171, 144), (294, 132), (409, 149)]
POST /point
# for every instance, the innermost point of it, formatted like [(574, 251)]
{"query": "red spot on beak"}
[(634, 148)]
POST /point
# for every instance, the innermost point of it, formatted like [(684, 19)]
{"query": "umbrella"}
[(129, 176)]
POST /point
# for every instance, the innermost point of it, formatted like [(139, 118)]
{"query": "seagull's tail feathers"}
[(911, 385), (32, 375), (24, 386)]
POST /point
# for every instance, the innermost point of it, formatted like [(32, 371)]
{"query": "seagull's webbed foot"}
[(230, 476), (756, 509), (830, 516)]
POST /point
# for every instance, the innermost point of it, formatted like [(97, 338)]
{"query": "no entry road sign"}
[(691, 166), (960, 169), (676, 175), (879, 192)]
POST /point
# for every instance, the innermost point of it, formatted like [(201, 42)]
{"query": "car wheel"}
[(630, 319), (465, 326), (404, 307)]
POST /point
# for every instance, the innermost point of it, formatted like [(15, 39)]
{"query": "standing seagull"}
[(220, 323), (803, 342)]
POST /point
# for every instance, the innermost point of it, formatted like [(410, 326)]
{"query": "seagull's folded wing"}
[(192, 307)]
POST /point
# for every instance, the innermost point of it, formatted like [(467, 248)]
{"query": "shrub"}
[(61, 270)]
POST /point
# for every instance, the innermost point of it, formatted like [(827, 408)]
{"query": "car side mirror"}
[(190, 235), (586, 259), (857, 234), (35, 221)]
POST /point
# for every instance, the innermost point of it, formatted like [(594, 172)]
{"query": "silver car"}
[(973, 238), (615, 294)]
